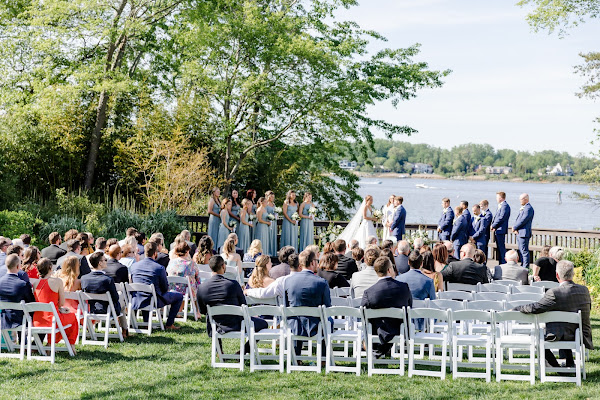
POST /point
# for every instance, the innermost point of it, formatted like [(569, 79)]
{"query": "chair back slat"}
[(472, 315), (302, 312), (486, 305), (399, 313), (454, 305), (494, 287), (274, 311), (461, 286), (252, 301), (531, 297), (5, 305), (515, 316), (455, 295), (342, 311), (560, 316), (527, 289), (237, 311)]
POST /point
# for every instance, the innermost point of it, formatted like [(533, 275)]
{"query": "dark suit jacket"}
[(569, 297), (116, 270), (163, 259), (21, 274), (387, 293), (98, 283), (84, 268), (524, 221), (220, 291), (478, 231), (346, 266), (333, 278), (445, 222), (305, 289), (465, 271), (148, 272), (53, 253), (460, 231), (398, 222), (14, 289), (402, 263), (500, 220)]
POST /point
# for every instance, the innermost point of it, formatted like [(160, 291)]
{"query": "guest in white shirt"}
[(362, 280), (275, 289)]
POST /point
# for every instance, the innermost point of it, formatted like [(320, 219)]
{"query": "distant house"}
[(347, 164), (498, 170), (558, 170), (482, 168), (569, 171), (421, 168)]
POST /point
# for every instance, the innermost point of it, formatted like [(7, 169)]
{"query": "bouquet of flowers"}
[(377, 214), (271, 217), (233, 223), (312, 211), (252, 217), (278, 210), (419, 233), (295, 216), (331, 233)]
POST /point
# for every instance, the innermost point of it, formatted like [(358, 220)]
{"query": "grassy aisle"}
[(177, 366)]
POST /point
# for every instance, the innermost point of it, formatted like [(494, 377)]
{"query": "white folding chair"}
[(241, 335), (455, 295), (420, 303), (352, 302), (267, 301), (204, 275), (347, 334), (6, 332), (204, 268), (232, 272), (292, 358), (461, 286), (442, 339), (79, 312), (507, 282), (494, 287), (339, 302), (509, 338), (189, 302), (247, 266), (545, 284), (109, 319), (516, 303), (372, 338), (133, 325), (576, 345), (528, 289), (34, 332), (530, 297), (465, 335), (273, 334), (343, 291), (486, 305), (492, 296)]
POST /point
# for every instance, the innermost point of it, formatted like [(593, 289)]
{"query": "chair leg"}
[(242, 336), (498, 362), (411, 357), (290, 351), (253, 351), (370, 355), (328, 351), (532, 363), (488, 361), (444, 353), (281, 352), (53, 344)]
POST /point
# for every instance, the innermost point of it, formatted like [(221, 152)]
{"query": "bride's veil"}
[(351, 230)]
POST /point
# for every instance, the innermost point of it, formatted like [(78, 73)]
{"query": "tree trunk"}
[(95, 143)]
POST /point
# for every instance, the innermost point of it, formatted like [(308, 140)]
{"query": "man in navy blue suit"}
[(487, 216), (522, 228), (445, 223), (500, 225), (397, 227), (386, 293), (148, 271), (306, 289), (13, 289), (478, 229), (465, 207), (460, 231)]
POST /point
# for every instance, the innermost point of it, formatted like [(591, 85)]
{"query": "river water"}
[(423, 205)]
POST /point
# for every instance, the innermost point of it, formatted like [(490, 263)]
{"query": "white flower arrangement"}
[(295, 216), (419, 233), (378, 214), (278, 210), (271, 217), (312, 211), (252, 217), (331, 233), (233, 223)]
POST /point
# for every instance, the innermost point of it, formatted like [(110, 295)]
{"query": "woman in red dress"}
[(30, 259), (51, 290), (68, 275)]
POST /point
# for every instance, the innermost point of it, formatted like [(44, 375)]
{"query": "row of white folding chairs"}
[(503, 286), (495, 296), (231, 272)]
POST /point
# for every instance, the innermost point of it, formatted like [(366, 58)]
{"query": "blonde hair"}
[(245, 201), (306, 194), (369, 197), (225, 201), (260, 271), (229, 247), (255, 247), (288, 195), (313, 247), (69, 272)]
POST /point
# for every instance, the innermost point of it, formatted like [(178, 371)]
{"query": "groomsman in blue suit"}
[(500, 225), (465, 206), (522, 228), (397, 227), (487, 216), (460, 231), (478, 229), (445, 223)]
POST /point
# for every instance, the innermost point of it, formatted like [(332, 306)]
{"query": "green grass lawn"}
[(176, 365)]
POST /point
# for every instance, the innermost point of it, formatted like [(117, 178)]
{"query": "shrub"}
[(587, 269), (15, 223), (115, 223), (165, 222)]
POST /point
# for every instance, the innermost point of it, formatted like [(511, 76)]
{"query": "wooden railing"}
[(573, 239)]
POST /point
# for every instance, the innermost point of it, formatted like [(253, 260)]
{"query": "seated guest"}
[(358, 255), (204, 251), (440, 257), (235, 238), (315, 249), (346, 266), (275, 289), (305, 289), (387, 252), (12, 290), (111, 241), (466, 270), (428, 269), (450, 247), (26, 239), (387, 244), (254, 251), (163, 255), (328, 248), (100, 245), (386, 293), (479, 257), (140, 238), (130, 255), (83, 240), (20, 273), (421, 287), (71, 234), (97, 282), (148, 271), (260, 274), (54, 252), (424, 248), (74, 249), (569, 297), (181, 265), (283, 268), (351, 246), (511, 270), (401, 257), (114, 268), (30, 259), (4, 243), (51, 290), (327, 270), (544, 268), (68, 274), (366, 278), (418, 243), (187, 237), (14, 249), (372, 241), (219, 291), (232, 259)]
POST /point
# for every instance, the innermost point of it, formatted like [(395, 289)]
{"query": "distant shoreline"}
[(460, 177)]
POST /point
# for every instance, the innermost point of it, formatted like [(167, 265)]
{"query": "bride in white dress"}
[(361, 225)]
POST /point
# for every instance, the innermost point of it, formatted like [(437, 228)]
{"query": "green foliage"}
[(60, 224), (115, 223), (166, 222), (587, 267), (78, 205), (550, 15), (15, 223)]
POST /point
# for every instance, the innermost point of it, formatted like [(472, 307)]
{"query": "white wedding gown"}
[(359, 228), (388, 216)]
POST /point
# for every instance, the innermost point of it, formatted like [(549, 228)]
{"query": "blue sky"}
[(510, 87)]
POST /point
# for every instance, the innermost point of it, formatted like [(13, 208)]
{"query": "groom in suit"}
[(397, 227), (522, 228), (445, 223), (500, 225)]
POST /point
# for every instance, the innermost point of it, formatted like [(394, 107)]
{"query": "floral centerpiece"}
[(278, 210), (419, 233), (330, 234), (233, 223), (312, 211), (295, 216), (377, 213), (252, 217), (271, 217)]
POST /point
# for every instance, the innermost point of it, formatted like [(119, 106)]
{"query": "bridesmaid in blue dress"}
[(289, 227), (234, 211), (270, 196), (224, 228), (251, 196), (307, 235), (214, 219), (244, 239), (263, 224)]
